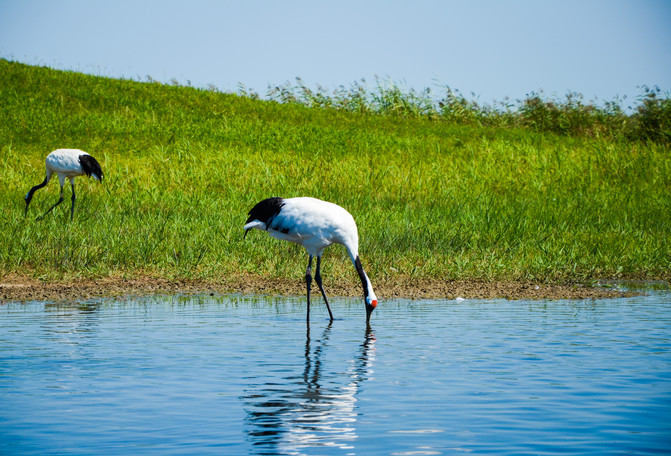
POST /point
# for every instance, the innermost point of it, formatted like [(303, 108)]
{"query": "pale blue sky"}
[(600, 48)]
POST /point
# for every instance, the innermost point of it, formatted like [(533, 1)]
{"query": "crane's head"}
[(371, 304)]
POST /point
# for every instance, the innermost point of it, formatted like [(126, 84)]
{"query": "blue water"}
[(241, 375)]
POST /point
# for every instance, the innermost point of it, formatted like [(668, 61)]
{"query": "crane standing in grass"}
[(67, 163), (315, 225)]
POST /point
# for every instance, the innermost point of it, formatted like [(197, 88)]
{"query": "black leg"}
[(318, 279), (60, 200), (72, 209), (308, 281)]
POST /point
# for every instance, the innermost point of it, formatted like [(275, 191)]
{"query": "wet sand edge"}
[(16, 288)]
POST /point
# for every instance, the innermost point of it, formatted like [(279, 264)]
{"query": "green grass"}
[(433, 198)]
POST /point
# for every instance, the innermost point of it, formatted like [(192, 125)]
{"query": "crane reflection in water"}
[(312, 408)]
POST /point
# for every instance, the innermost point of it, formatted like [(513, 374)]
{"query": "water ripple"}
[(243, 375)]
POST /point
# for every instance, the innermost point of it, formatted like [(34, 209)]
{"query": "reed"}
[(650, 117)]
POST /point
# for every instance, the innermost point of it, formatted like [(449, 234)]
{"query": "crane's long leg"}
[(308, 281), (60, 200), (318, 279), (72, 209)]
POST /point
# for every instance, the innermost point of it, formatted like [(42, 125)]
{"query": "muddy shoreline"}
[(23, 289)]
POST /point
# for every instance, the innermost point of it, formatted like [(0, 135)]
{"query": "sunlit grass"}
[(432, 198)]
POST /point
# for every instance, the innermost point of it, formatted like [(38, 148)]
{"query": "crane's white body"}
[(314, 224), (67, 164)]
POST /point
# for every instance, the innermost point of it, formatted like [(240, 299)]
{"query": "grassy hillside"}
[(432, 198)]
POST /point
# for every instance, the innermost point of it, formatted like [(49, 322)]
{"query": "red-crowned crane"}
[(67, 163), (315, 225)]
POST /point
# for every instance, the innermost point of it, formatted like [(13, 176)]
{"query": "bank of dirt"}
[(16, 288)]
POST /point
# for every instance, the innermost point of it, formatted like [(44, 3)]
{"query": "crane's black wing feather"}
[(91, 166), (264, 211)]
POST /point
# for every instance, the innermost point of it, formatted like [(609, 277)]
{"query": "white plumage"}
[(315, 225), (67, 163)]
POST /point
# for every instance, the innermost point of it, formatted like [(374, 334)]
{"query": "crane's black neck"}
[(362, 276), (29, 196)]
